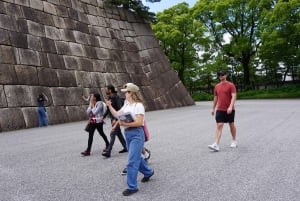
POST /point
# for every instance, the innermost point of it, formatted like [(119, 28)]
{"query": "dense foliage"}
[(256, 41)]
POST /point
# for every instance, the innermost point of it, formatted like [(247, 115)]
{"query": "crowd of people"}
[(133, 123)]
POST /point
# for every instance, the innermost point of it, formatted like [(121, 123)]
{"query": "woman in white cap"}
[(134, 135)]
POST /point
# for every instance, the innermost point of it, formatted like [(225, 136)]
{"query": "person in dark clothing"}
[(116, 103), (95, 112), (43, 119)]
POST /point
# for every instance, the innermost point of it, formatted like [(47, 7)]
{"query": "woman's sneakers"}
[(233, 144), (85, 153), (214, 147), (129, 192)]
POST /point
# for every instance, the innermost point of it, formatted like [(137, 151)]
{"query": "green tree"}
[(180, 36), (240, 20), (135, 5), (280, 50)]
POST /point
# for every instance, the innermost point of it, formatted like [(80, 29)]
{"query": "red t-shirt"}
[(224, 91)]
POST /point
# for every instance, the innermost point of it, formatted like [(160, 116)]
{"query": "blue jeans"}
[(135, 142), (43, 119)]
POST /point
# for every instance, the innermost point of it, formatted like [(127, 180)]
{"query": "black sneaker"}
[(129, 192), (146, 179), (123, 151), (124, 172), (106, 154)]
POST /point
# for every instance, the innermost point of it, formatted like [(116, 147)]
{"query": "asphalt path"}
[(44, 164)]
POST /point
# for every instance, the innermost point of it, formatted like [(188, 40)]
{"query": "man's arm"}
[(214, 105), (232, 102)]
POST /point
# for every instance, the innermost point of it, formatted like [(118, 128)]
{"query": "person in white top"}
[(134, 135)]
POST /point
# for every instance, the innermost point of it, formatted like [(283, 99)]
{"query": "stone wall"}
[(64, 48)]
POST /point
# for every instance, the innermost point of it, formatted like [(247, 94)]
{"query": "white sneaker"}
[(214, 147), (233, 144)]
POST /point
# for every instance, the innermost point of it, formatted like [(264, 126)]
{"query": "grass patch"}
[(274, 93)]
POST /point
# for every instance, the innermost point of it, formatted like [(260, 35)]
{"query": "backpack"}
[(104, 108)]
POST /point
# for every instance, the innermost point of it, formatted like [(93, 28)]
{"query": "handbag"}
[(146, 131), (87, 127)]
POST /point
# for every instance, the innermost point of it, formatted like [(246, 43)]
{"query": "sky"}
[(164, 4)]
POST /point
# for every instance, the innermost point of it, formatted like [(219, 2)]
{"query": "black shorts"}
[(223, 117)]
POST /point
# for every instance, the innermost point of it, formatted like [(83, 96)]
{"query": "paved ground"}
[(44, 164)]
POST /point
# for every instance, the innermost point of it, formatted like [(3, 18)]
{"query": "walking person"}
[(116, 103), (223, 103), (95, 111), (43, 119), (135, 137)]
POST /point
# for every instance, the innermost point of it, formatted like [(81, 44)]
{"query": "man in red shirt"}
[(224, 99)]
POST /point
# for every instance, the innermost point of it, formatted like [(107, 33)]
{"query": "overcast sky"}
[(164, 4)]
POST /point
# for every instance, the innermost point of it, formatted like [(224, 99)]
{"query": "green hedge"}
[(274, 93)]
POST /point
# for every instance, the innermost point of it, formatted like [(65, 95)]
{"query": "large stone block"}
[(11, 119), (17, 95), (49, 8), (45, 18), (97, 79), (82, 27), (90, 51), (4, 37), (102, 53), (52, 32), (71, 62), (7, 55), (36, 29), (99, 66), (77, 49), (56, 61), (66, 78), (22, 2), (18, 39), (80, 37), (7, 74), (26, 75), (8, 22), (59, 22), (57, 115), (14, 10), (61, 11), (63, 47), (67, 35), (63, 96), (47, 77), (48, 45), (85, 64), (36, 4), (31, 117), (22, 26), (76, 113), (29, 57), (3, 102), (34, 43), (30, 14), (84, 79)]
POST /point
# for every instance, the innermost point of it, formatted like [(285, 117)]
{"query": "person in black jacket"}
[(117, 103)]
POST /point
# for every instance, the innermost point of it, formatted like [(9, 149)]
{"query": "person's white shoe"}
[(214, 147), (233, 144)]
